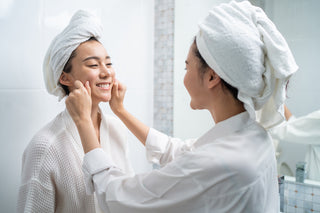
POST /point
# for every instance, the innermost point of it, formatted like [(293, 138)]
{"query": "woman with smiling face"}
[(90, 63), (237, 68), (52, 180)]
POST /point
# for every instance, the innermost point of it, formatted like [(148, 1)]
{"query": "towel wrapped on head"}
[(83, 25), (242, 45)]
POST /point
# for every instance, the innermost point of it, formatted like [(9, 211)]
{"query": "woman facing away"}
[(51, 179), (237, 69)]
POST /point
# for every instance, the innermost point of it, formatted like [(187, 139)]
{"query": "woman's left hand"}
[(79, 102)]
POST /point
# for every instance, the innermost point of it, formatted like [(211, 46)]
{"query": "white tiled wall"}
[(27, 28), (163, 66), (300, 197)]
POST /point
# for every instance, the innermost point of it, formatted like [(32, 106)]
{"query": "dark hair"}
[(68, 67), (204, 67)]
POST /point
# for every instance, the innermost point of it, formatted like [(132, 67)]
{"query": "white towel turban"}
[(242, 45), (83, 25)]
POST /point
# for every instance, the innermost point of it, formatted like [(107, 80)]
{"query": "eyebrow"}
[(186, 61), (95, 58)]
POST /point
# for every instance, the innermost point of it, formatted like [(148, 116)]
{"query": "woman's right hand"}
[(117, 95), (79, 105), (79, 102)]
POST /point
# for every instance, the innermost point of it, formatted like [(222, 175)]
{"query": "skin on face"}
[(92, 63), (194, 83)]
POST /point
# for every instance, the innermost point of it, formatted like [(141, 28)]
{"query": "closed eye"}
[(93, 65)]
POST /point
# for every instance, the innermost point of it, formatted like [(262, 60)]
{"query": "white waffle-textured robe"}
[(52, 180)]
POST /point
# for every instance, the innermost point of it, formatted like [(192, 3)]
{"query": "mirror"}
[(298, 21)]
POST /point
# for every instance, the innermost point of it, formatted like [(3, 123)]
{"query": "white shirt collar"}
[(226, 127)]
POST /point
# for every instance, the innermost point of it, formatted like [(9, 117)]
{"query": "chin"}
[(192, 106), (105, 98), (196, 107)]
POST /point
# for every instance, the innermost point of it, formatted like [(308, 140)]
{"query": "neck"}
[(225, 108)]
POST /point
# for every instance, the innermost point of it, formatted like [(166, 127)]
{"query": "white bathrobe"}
[(231, 168), (52, 180)]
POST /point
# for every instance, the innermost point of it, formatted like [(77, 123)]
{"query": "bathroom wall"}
[(27, 27)]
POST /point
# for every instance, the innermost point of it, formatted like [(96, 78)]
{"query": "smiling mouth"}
[(104, 85)]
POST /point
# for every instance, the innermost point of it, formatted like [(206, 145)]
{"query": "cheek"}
[(186, 81), (90, 76), (112, 72)]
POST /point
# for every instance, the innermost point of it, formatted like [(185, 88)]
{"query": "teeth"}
[(105, 86)]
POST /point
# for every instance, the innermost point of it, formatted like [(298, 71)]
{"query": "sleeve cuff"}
[(292, 118), (156, 145), (94, 162)]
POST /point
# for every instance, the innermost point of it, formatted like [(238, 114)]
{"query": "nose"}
[(105, 72)]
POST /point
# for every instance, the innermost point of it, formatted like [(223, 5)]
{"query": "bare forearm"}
[(88, 136), (139, 129), (287, 112)]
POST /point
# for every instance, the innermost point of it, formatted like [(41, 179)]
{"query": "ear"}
[(212, 79), (65, 79)]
